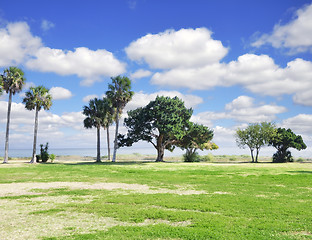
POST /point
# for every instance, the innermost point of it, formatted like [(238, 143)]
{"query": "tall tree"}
[(12, 81), (282, 140), (119, 94), (163, 123), (95, 114), (255, 136), (37, 98), (107, 121)]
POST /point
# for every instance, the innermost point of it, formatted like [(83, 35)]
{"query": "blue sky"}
[(234, 62)]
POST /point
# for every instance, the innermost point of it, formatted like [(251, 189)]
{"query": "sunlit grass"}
[(184, 201)]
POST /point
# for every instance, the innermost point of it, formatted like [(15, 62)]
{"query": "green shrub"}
[(52, 157), (207, 158), (191, 156)]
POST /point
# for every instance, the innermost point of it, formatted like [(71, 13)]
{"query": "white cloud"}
[(242, 109), (17, 44), (295, 35), (59, 93), (140, 99), (89, 97), (300, 124), (174, 49), (140, 74), (46, 25), (85, 63)]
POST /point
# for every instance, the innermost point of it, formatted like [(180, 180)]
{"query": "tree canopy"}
[(163, 122), (255, 136), (282, 140)]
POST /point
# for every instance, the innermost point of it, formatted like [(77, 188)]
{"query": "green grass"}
[(234, 201)]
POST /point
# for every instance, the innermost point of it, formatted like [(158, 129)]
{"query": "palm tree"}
[(12, 81), (107, 120), (120, 94), (95, 114), (36, 99)]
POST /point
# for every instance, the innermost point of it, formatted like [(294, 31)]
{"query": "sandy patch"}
[(16, 189)]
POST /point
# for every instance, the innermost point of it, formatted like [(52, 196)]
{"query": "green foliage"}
[(197, 137), (37, 98), (191, 156), (255, 136), (12, 80), (52, 157), (163, 122), (44, 153), (282, 140)]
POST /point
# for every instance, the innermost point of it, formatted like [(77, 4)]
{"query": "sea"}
[(85, 152)]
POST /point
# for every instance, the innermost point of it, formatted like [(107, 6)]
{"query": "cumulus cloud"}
[(140, 74), (300, 124), (243, 110), (140, 99), (59, 93), (46, 25), (174, 49), (83, 62), (17, 44), (295, 35), (89, 97)]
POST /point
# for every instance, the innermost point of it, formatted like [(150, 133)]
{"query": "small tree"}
[(163, 122), (254, 136), (36, 99), (12, 81), (282, 140), (119, 94), (197, 137)]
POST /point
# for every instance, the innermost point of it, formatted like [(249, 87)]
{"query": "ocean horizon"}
[(85, 152)]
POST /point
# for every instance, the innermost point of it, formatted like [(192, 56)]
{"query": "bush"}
[(282, 157), (52, 157), (191, 156), (207, 158)]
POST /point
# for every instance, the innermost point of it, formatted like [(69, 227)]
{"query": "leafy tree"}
[(282, 140), (107, 120), (95, 114), (37, 98), (197, 137), (255, 136), (163, 123), (119, 94), (12, 81)]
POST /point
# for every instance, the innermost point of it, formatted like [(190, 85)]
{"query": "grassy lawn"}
[(147, 200)]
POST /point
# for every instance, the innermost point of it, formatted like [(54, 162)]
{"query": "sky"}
[(233, 62)]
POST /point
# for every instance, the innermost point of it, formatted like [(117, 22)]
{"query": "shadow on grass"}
[(110, 163), (302, 172)]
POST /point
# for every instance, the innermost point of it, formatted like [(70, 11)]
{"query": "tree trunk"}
[(108, 144), (116, 134), (257, 154), (160, 149), (252, 156), (6, 151), (160, 154), (33, 159), (98, 144)]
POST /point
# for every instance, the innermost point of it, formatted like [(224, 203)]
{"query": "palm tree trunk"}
[(98, 156), (116, 133), (33, 159), (6, 151), (108, 144)]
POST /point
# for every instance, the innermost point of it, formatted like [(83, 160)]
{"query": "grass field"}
[(148, 200)]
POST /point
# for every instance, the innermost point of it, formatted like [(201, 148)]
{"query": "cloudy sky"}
[(233, 62)]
